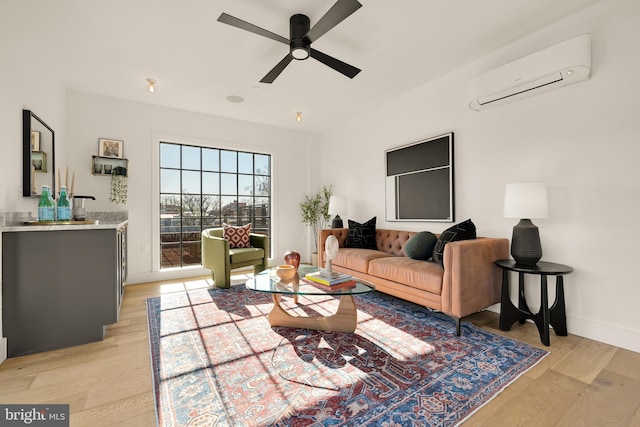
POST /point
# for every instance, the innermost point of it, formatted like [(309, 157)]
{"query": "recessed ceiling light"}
[(235, 99), (151, 85), (298, 116)]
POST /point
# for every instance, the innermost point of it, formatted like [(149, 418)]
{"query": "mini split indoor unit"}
[(561, 65)]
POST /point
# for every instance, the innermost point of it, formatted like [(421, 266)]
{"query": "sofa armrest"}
[(341, 235), (471, 279), (260, 241), (215, 250)]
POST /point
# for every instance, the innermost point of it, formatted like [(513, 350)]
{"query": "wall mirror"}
[(38, 155)]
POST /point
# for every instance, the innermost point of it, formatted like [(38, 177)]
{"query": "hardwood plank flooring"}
[(108, 383)]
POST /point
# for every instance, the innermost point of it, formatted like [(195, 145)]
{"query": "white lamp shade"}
[(526, 200), (337, 205)]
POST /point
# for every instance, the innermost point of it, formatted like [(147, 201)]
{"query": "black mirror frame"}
[(27, 116)]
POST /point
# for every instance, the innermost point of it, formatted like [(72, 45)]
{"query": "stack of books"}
[(324, 281)]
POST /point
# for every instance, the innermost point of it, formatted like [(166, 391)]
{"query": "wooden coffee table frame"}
[(345, 319)]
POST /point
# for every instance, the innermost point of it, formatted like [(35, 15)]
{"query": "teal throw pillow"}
[(421, 245)]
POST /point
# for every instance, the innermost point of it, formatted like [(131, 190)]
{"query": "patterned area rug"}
[(217, 362)]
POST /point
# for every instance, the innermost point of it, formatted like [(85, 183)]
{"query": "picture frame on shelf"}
[(35, 141), (39, 161), (113, 148), (106, 165)]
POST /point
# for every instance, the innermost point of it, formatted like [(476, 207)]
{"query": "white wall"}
[(22, 87), (90, 117), (582, 140)]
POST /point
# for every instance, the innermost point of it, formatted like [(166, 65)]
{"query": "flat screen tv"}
[(419, 181)]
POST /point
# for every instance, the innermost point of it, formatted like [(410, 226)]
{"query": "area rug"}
[(217, 362)]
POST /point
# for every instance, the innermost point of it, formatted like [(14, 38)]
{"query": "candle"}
[(58, 186), (73, 183), (66, 178)]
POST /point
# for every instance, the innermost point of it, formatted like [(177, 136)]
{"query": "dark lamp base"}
[(337, 222), (525, 243)]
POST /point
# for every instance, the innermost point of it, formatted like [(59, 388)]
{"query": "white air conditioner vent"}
[(552, 68)]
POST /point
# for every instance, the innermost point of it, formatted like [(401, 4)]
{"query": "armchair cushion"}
[(238, 237), (240, 255)]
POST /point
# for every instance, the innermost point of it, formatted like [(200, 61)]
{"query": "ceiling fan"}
[(301, 37)]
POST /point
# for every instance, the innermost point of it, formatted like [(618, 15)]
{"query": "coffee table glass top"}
[(268, 281)]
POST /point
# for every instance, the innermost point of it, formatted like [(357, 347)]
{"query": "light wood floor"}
[(108, 383)]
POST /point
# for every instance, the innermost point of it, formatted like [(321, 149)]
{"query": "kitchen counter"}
[(65, 282), (105, 220)]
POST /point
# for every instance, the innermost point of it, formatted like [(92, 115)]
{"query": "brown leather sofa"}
[(469, 282)]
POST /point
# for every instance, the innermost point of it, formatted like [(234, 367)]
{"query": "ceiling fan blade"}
[(338, 13), (341, 67), (275, 71), (244, 25)]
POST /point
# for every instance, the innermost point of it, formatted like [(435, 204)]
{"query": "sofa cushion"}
[(421, 245), (426, 276), (362, 236), (238, 237), (465, 230), (357, 259)]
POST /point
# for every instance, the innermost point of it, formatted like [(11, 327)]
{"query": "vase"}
[(292, 258)]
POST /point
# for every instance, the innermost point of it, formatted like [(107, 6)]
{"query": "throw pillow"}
[(238, 237), (465, 230), (362, 236), (421, 245)]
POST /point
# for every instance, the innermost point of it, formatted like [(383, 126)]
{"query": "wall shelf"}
[(105, 165)]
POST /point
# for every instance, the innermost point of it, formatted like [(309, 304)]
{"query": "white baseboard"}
[(596, 330), (177, 273)]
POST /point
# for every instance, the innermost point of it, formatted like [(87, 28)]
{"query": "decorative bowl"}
[(285, 272)]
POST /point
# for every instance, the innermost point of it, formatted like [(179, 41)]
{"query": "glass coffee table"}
[(345, 318)]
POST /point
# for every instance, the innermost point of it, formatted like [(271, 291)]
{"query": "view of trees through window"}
[(203, 187)]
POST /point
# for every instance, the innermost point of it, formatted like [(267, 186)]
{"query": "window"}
[(203, 187)]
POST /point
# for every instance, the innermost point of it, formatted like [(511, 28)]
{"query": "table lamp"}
[(526, 201), (337, 205)]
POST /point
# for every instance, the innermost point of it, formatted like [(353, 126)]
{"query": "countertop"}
[(106, 220)]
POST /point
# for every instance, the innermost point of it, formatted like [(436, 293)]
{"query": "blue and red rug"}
[(217, 362)]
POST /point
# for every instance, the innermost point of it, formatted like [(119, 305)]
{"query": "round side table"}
[(555, 316)]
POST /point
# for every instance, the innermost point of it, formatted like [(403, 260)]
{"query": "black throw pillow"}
[(421, 245), (465, 230), (362, 236)]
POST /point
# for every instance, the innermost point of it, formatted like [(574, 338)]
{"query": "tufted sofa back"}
[(393, 241), (390, 241)]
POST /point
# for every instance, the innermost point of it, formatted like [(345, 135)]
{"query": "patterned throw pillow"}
[(238, 237), (465, 230), (362, 236)]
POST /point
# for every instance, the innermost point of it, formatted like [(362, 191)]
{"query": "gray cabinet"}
[(61, 287)]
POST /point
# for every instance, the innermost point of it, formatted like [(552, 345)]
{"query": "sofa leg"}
[(456, 320)]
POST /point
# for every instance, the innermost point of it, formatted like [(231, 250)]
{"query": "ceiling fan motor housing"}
[(299, 26)]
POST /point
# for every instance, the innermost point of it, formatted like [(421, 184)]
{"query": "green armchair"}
[(217, 257)]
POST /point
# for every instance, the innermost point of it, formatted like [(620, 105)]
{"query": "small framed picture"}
[(110, 148), (39, 161), (35, 141)]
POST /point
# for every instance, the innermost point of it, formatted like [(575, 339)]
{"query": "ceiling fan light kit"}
[(301, 35)]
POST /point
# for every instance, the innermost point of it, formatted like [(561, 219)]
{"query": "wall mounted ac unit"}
[(563, 64)]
